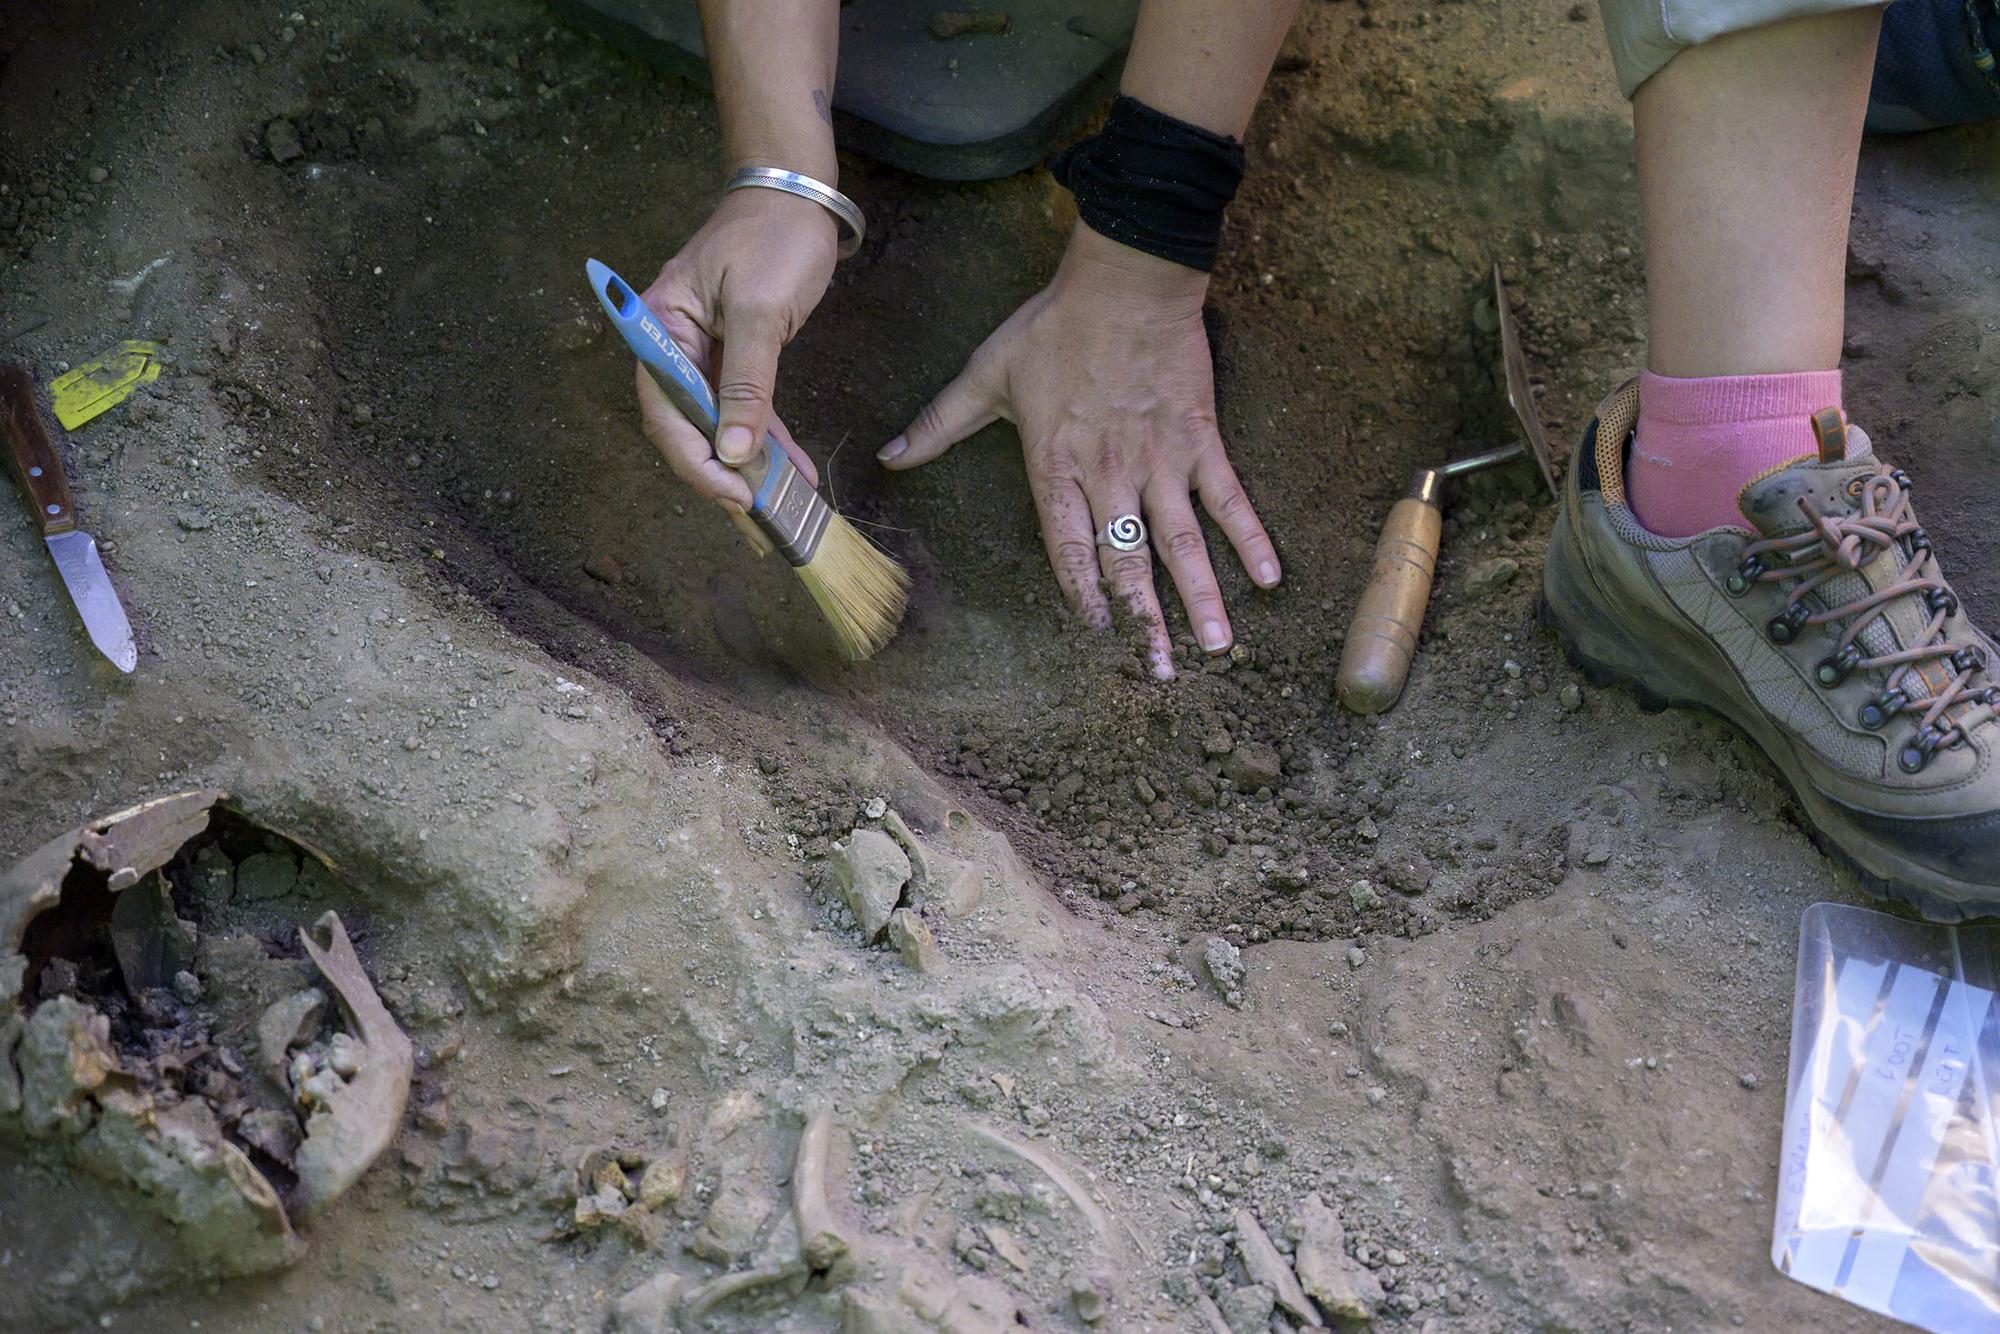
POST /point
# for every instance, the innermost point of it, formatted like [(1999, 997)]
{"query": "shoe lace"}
[(1843, 544)]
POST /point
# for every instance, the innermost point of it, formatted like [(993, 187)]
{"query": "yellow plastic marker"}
[(102, 383)]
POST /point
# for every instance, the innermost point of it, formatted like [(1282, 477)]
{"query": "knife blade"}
[(73, 550)]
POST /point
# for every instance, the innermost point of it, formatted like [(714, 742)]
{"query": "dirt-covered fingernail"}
[(1267, 573), (735, 445), (892, 451), (1163, 669), (1214, 638)]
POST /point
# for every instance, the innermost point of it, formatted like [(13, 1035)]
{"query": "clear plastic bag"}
[(1887, 1184)]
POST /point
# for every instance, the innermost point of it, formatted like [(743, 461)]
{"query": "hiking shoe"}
[(1823, 628)]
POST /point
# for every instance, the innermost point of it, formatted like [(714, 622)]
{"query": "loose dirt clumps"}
[(1241, 779)]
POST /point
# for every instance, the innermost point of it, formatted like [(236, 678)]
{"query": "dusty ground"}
[(408, 583)]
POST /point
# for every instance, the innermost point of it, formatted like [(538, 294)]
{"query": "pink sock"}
[(1700, 442)]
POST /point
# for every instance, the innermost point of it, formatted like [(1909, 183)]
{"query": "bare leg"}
[(1747, 147)]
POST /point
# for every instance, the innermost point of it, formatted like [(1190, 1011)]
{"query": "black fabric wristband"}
[(1154, 183)]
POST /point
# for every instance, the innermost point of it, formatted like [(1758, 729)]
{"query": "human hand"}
[(732, 298), (1107, 374)]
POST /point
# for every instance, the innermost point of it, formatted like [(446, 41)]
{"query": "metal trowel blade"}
[(1519, 395)]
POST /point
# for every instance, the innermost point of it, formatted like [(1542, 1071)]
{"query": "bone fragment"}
[(363, 1116), (822, 1241), (285, 1024), (700, 1301)]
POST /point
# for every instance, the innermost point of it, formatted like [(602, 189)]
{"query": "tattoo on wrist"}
[(823, 105)]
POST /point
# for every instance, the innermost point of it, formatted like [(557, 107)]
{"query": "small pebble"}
[(1490, 576)]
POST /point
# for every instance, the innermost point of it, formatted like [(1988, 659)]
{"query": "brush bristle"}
[(860, 589)]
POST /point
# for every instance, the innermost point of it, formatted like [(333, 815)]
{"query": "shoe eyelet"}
[(1743, 577), (1831, 672), (1920, 541), (1968, 660), (1877, 712), (1856, 487), (1785, 626), (1941, 601), (1902, 479), (1914, 756)]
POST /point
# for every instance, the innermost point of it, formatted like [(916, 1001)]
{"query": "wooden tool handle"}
[(32, 456), (1383, 637)]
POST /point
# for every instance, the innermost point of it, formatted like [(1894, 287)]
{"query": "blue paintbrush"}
[(858, 587)]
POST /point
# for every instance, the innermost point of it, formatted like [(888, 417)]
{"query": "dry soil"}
[(408, 583)]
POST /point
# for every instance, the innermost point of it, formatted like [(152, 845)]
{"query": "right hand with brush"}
[(732, 298), (743, 285)]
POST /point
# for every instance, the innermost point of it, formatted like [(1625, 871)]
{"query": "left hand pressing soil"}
[(1107, 374)]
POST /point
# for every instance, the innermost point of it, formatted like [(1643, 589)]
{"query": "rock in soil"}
[(869, 875), (1344, 1287), (1223, 963), (1247, 1309), (913, 941), (1490, 576), (1268, 1269)]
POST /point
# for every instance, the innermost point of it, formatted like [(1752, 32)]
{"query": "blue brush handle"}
[(678, 378)]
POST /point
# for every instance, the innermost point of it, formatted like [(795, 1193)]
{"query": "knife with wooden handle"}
[(40, 473)]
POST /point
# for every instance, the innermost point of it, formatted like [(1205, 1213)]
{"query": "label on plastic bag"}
[(1886, 1190)]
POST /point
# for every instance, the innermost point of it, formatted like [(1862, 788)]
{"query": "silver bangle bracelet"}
[(852, 225)]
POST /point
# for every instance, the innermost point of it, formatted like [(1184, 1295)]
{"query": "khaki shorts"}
[(1646, 34)]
